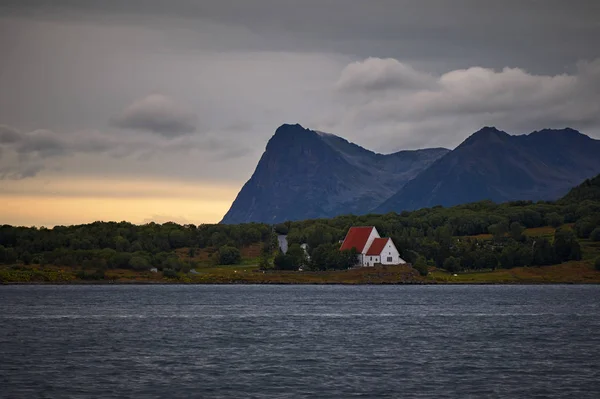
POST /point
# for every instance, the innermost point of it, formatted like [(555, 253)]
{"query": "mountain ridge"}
[(305, 174), (308, 174), (491, 164)]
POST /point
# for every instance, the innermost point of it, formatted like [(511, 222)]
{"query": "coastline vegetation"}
[(483, 242)]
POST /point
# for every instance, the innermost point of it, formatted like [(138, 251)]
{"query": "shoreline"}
[(293, 283)]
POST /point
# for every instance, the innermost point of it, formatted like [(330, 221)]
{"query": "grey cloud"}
[(244, 67), (30, 171), (36, 147), (460, 102), (158, 114), (453, 34), (8, 134), (375, 74), (19, 172), (46, 143)]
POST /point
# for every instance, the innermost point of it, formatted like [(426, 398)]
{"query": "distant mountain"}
[(305, 174), (494, 165)]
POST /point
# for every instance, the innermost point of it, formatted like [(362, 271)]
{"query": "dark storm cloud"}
[(388, 74), (158, 114), (541, 36), (8, 134), (414, 107), (38, 149)]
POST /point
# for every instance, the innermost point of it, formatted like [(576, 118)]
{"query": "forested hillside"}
[(476, 236)]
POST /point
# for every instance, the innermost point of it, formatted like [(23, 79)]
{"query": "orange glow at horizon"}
[(48, 203)]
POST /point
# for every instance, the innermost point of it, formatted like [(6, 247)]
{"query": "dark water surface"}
[(299, 341)]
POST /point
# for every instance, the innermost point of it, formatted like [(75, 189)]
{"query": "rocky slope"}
[(494, 165), (305, 174)]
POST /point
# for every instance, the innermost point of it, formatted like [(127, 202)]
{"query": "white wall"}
[(374, 234), (371, 260), (390, 251)]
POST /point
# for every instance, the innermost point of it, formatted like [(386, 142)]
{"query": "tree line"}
[(438, 236)]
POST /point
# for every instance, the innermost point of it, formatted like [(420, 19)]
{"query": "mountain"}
[(494, 165), (305, 174)]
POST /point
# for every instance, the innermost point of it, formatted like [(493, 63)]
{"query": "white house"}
[(371, 248)]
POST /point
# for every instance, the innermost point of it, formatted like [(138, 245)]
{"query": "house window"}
[(389, 258)]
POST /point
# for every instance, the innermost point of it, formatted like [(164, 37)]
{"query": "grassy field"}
[(207, 272)]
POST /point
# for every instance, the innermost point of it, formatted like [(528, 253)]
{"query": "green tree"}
[(26, 257), (283, 262), (516, 231), (281, 228), (297, 256), (420, 265), (229, 255), (595, 234), (498, 230), (554, 219), (452, 264), (566, 246), (169, 273), (543, 252), (264, 263), (139, 263), (586, 225), (121, 244)]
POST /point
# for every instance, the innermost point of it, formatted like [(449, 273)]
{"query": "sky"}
[(148, 110)]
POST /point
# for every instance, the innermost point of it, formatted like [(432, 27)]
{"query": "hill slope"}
[(305, 174), (588, 190), (494, 165)]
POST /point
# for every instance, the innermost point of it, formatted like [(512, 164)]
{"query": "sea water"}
[(265, 341)]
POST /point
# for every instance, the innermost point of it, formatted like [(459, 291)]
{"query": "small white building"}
[(372, 249)]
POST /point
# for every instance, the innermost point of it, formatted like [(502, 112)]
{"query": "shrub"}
[(451, 264), (595, 234), (229, 255), (554, 219), (585, 225), (169, 273), (420, 265), (264, 263), (97, 275), (284, 262), (281, 228), (139, 263), (566, 246)]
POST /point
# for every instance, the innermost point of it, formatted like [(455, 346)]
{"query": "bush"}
[(595, 234), (566, 246), (97, 275), (597, 264), (554, 219), (451, 264), (585, 226), (420, 265), (169, 273), (283, 262), (229, 255), (281, 228), (264, 263), (139, 263)]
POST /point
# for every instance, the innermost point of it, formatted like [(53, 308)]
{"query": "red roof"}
[(377, 246), (356, 238)]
